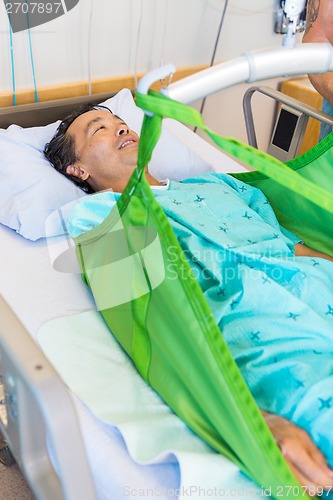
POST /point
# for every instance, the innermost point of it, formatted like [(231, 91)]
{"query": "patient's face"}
[(106, 148)]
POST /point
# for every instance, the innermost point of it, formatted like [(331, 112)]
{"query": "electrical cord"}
[(12, 62), (12, 59), (138, 36), (89, 48), (165, 17), (32, 55), (214, 51)]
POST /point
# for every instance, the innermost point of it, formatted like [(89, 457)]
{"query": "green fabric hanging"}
[(165, 324), (311, 221), (304, 205)]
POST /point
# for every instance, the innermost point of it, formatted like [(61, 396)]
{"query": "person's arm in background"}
[(319, 28)]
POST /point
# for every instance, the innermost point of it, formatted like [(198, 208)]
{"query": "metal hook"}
[(154, 76)]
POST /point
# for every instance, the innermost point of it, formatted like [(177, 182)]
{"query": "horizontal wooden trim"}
[(76, 89)]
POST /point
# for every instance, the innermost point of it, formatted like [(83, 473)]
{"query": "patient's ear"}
[(77, 172)]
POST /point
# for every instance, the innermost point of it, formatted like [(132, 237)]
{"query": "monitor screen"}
[(285, 129)]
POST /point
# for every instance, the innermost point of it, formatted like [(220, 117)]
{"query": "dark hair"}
[(60, 151)]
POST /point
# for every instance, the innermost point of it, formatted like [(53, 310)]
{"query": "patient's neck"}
[(119, 186), (151, 180)]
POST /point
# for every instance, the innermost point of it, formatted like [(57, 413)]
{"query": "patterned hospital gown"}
[(274, 310)]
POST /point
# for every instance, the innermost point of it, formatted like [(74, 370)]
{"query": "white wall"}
[(120, 37), (102, 38), (248, 26)]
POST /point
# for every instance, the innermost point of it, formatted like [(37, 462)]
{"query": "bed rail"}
[(307, 110), (38, 418)]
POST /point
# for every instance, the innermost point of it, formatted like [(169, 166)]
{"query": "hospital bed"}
[(40, 419), (63, 448)]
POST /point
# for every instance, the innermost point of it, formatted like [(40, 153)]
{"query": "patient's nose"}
[(123, 129)]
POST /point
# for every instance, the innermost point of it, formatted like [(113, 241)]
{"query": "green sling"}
[(165, 324)]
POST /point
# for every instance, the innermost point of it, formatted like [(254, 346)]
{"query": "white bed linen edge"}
[(96, 369), (37, 293)]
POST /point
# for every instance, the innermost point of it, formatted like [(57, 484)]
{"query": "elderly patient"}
[(272, 297)]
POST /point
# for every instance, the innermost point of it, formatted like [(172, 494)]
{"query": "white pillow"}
[(30, 189)]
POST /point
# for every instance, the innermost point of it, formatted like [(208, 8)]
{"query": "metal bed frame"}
[(308, 111)]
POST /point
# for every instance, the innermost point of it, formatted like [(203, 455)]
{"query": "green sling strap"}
[(311, 219), (304, 205), (164, 323)]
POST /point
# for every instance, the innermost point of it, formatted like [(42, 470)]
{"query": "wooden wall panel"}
[(301, 89), (76, 89)]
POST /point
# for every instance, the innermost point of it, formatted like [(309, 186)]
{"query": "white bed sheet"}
[(37, 293)]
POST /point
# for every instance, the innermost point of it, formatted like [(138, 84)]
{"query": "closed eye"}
[(99, 128)]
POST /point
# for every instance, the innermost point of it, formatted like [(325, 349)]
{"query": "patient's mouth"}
[(127, 143)]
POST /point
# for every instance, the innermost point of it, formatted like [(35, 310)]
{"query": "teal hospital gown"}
[(274, 310)]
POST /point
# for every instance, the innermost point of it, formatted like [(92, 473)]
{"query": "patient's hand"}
[(303, 250), (303, 457)]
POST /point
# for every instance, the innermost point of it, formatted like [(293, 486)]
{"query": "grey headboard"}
[(43, 113)]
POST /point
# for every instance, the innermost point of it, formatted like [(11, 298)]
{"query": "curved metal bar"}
[(251, 67)]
